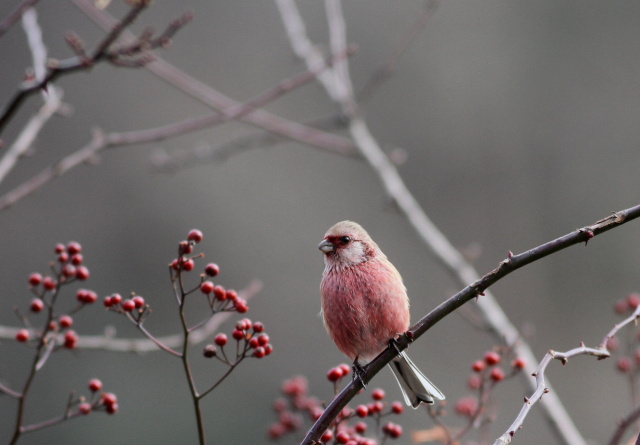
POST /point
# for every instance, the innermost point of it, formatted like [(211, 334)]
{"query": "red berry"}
[(174, 265), (95, 385), (84, 408), (212, 269), (612, 343), (633, 300), (334, 374), (477, 366), (237, 334), (220, 339), (86, 296), (393, 430), (112, 409), (474, 381), (268, 349), (241, 306), (70, 339), (128, 305), (497, 374), (59, 248), (623, 364), (116, 299), (108, 399), (620, 307), (195, 235), (77, 259), (258, 326), (342, 437), (253, 343), (185, 247), (397, 408), (326, 436), (243, 325), (360, 427), (188, 265), (138, 301), (491, 358), (82, 273), (48, 283), (375, 407), (73, 248), (68, 270), (63, 257), (264, 339), (220, 293), (518, 363), (65, 321), (231, 295), (259, 352), (377, 394), (36, 305), (206, 287), (107, 302), (35, 279), (209, 351), (466, 406), (22, 335), (362, 411), (346, 369)]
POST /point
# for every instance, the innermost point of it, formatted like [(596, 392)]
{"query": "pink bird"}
[(365, 305)]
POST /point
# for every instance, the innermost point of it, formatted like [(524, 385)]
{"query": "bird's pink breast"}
[(364, 306)]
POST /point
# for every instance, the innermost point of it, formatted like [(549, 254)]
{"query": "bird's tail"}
[(416, 388)]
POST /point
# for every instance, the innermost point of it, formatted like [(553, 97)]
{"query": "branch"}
[(439, 245), (213, 98), (108, 342), (15, 15), (68, 66), (474, 290), (101, 141), (600, 351)]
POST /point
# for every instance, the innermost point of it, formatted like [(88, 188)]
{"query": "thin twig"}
[(15, 15), (101, 141), (213, 98), (600, 352)]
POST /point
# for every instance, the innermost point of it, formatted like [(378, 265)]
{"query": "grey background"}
[(520, 123)]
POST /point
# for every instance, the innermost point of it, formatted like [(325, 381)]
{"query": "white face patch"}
[(352, 254)]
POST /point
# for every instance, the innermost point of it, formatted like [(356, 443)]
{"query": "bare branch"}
[(600, 352), (507, 266), (101, 141), (213, 98), (15, 15)]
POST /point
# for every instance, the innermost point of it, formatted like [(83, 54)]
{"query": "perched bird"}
[(365, 306)]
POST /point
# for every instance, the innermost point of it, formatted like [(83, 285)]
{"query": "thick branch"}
[(474, 290)]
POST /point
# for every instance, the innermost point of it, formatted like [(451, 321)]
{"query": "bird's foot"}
[(358, 372)]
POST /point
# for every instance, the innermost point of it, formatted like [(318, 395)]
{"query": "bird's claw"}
[(358, 371)]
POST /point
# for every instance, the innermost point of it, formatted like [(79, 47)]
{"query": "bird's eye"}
[(344, 240)]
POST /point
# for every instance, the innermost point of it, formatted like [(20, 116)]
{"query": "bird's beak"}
[(325, 246)]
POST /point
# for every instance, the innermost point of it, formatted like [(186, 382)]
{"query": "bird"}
[(365, 306)]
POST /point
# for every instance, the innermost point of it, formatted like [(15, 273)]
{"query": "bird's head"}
[(347, 244)]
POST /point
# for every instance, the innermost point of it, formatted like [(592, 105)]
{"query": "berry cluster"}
[(349, 427), (68, 267), (251, 340), (628, 361), (99, 401), (134, 307), (55, 333), (487, 372)]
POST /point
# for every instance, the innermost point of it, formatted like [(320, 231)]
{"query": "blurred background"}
[(519, 121)]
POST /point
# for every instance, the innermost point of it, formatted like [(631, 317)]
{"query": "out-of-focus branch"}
[(213, 98), (432, 237), (474, 290), (101, 141), (15, 15), (68, 66), (388, 67), (600, 352), (52, 98), (108, 341)]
